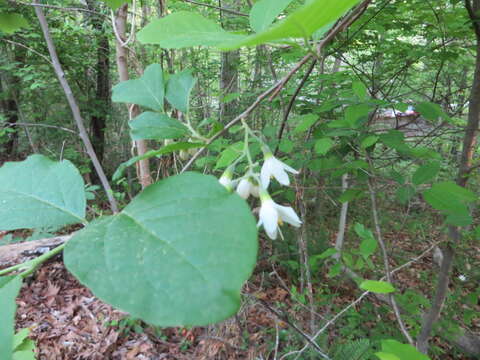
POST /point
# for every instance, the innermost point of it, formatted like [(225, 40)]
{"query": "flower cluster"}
[(271, 214)]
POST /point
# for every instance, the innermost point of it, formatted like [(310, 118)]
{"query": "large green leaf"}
[(39, 192), (426, 173), (9, 288), (401, 351), (179, 87), (156, 126), (185, 29), (452, 200), (431, 111), (11, 22), (177, 255), (300, 24), (148, 90), (264, 12)]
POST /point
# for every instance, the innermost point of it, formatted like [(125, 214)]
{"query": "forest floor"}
[(68, 322)]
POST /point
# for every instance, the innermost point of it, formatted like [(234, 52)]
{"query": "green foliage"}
[(426, 173), (160, 261), (12, 22), (323, 145), (379, 287), (9, 288), (148, 90), (184, 29), (179, 87), (393, 350), (264, 12), (431, 111), (115, 4), (156, 126), (451, 200), (354, 350), (39, 192), (23, 347)]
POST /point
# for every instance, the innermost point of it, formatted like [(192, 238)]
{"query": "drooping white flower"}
[(274, 167), (246, 187), (226, 179), (272, 215)]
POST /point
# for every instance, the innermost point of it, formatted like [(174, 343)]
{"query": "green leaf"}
[(350, 195), (386, 356), (426, 173), (148, 90), (23, 346), (379, 287), (300, 24), (39, 192), (359, 89), (9, 288), (323, 145), (369, 141), (185, 29), (405, 193), (156, 126), (431, 111), (448, 197), (175, 256), (115, 4), (152, 153), (179, 87), (402, 351), (335, 270), (305, 122), (228, 155), (11, 22), (327, 253), (368, 246), (264, 12)]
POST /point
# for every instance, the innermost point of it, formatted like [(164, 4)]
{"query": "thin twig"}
[(28, 48), (386, 264), (41, 125), (74, 107)]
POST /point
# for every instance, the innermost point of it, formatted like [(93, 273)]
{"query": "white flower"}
[(246, 188), (226, 179), (272, 215), (274, 167), (462, 278)]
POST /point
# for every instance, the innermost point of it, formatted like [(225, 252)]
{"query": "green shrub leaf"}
[(379, 287), (11, 22), (148, 90), (156, 126), (177, 255), (9, 288), (264, 12), (179, 87), (39, 192), (426, 173)]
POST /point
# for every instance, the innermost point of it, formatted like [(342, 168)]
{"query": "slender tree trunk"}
[(465, 167), (143, 168), (102, 101), (229, 71)]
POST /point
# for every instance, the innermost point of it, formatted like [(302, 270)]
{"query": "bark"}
[(102, 101), (143, 168), (469, 142), (229, 71), (19, 252), (74, 106)]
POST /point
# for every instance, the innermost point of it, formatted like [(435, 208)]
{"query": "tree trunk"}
[(102, 101), (229, 71), (465, 167), (143, 168)]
